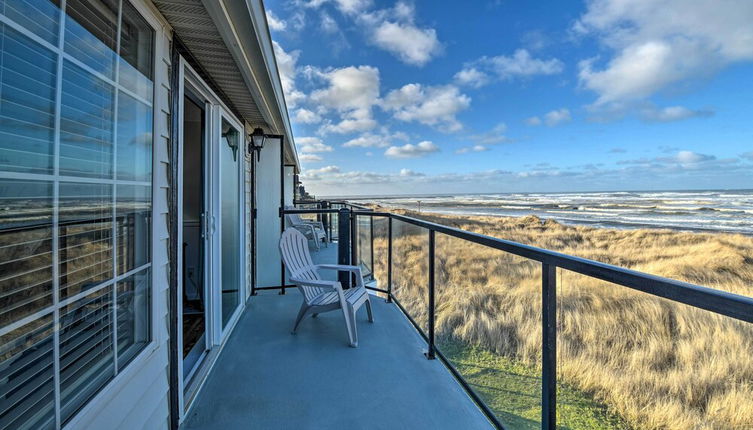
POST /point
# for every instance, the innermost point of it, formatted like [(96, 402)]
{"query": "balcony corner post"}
[(343, 245), (430, 353)]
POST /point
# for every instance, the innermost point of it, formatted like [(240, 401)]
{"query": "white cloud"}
[(747, 155), (520, 65), (328, 24), (395, 31), (556, 117), (658, 44), (474, 148), (494, 136), (672, 113), (410, 173), (412, 45), (551, 118), (435, 106), (372, 140), (316, 174), (275, 23), (471, 77), (309, 157), (351, 91), (312, 144), (286, 65), (690, 157), (410, 150), (305, 116)]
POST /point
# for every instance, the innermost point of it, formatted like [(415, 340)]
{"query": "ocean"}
[(724, 211)]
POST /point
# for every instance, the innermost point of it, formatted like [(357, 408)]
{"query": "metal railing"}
[(716, 301)]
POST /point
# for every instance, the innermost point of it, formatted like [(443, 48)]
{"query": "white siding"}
[(289, 176), (138, 397), (268, 190)]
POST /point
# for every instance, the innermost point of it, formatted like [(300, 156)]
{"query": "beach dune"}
[(655, 363)]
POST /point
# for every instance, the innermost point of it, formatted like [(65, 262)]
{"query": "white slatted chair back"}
[(294, 248)]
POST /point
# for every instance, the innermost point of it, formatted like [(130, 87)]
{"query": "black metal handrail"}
[(720, 302)]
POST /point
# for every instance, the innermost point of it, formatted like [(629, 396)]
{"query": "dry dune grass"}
[(658, 364)]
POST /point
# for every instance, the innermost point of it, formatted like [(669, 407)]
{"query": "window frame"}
[(137, 363)]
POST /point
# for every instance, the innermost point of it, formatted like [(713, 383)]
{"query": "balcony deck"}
[(267, 378)]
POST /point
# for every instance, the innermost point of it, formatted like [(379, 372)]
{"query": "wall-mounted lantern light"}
[(257, 142), (258, 139)]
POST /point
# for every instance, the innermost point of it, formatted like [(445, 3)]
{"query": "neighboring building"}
[(127, 241)]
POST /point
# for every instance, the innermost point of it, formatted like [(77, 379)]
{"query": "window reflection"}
[(136, 64), (134, 318), (25, 248), (231, 233), (38, 16), (85, 236), (133, 226), (27, 104), (86, 124), (134, 143), (91, 30)]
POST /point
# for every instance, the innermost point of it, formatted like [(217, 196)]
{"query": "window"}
[(75, 203)]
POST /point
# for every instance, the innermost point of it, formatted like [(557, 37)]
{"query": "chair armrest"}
[(334, 285), (308, 227), (345, 268)]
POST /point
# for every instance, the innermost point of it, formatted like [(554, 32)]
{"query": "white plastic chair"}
[(313, 230), (320, 295)]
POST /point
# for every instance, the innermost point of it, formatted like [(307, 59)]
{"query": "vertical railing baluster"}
[(389, 260), (371, 244), (343, 245), (549, 347), (354, 257), (430, 352)]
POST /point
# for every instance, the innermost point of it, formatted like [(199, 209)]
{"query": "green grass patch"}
[(513, 391)]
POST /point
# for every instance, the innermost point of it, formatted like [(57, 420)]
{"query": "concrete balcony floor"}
[(267, 378)]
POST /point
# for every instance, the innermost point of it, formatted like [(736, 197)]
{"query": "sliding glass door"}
[(231, 216)]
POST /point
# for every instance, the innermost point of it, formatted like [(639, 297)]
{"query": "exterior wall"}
[(268, 221), (138, 397), (288, 185)]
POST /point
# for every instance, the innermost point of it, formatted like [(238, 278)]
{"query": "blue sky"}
[(418, 97)]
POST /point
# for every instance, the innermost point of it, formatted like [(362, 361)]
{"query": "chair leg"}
[(353, 326), (348, 324), (301, 314), (368, 310)]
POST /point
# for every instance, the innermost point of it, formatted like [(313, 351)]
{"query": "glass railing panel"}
[(364, 248), (628, 359), (488, 325), (410, 268), (380, 252)]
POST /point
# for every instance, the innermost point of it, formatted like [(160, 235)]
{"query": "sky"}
[(492, 96)]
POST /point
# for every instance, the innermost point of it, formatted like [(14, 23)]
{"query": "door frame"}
[(215, 337)]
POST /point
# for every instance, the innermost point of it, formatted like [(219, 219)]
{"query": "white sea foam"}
[(686, 210)]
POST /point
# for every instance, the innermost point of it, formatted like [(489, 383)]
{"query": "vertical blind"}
[(76, 91)]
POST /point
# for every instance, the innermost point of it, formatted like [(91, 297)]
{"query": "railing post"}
[(389, 260), (353, 244), (343, 245), (430, 352), (549, 347)]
